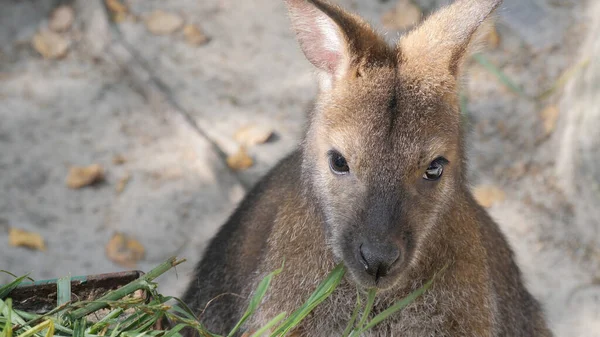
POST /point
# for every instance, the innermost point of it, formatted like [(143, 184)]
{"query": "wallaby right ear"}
[(319, 35), (330, 37)]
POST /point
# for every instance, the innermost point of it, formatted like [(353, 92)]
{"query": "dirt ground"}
[(169, 104)]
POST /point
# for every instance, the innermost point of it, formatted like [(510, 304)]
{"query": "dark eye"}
[(337, 163), (435, 169)]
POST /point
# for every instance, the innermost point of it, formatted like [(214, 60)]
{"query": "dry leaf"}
[(50, 44), (161, 22), (123, 182), (61, 19), (240, 160), (487, 195), (405, 15), (116, 6), (251, 135), (119, 159), (118, 10), (194, 36), (493, 38), (83, 176), (549, 117), (124, 250), (21, 238)]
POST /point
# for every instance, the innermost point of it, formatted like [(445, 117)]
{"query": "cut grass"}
[(125, 315)]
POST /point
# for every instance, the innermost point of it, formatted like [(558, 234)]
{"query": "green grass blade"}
[(500, 75), (354, 316), (6, 311), (6, 289), (35, 319), (79, 328), (7, 272), (104, 321), (175, 330), (50, 331), (397, 306), (63, 288), (133, 320), (323, 291), (259, 294), (183, 309), (269, 325), (151, 321), (45, 325), (368, 307), (116, 331)]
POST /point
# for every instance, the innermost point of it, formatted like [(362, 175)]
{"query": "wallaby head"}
[(383, 153)]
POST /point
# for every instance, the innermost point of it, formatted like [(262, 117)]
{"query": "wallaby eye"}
[(435, 169), (337, 163)]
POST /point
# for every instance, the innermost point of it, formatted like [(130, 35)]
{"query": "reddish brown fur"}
[(390, 111)]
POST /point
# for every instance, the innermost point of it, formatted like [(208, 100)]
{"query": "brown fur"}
[(390, 111)]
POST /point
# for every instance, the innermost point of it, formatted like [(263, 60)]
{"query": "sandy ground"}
[(171, 110)]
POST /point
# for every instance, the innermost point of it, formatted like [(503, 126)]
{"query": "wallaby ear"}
[(331, 38), (438, 47)]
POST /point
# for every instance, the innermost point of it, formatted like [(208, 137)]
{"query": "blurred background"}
[(129, 130)]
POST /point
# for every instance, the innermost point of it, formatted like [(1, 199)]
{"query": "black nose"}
[(378, 258)]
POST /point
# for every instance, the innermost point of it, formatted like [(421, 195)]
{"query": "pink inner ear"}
[(320, 55), (331, 60), (319, 36)]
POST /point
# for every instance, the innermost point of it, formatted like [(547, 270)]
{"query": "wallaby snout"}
[(378, 258)]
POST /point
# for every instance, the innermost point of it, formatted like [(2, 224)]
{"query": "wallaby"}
[(379, 184)]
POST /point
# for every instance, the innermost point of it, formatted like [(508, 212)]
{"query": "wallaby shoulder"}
[(233, 255), (519, 313)]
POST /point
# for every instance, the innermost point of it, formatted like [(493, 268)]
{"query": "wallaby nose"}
[(378, 258)]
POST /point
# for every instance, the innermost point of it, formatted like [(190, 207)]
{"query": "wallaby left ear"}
[(441, 43)]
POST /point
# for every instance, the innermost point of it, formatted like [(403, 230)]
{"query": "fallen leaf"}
[(116, 6), (119, 12), (84, 176), (50, 44), (124, 250), (493, 38), (119, 159), (123, 182), (405, 15), (549, 117), (61, 19), (194, 36), (161, 22), (240, 160), (251, 135), (21, 238), (487, 195)]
